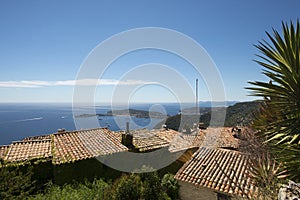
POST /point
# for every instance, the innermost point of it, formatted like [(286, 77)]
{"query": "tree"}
[(15, 184), (128, 187), (170, 185), (279, 119), (152, 189)]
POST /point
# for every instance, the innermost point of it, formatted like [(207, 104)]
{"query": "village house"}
[(212, 168), (215, 173)]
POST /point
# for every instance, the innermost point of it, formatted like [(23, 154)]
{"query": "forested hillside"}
[(240, 114)]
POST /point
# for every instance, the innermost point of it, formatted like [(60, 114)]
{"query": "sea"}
[(20, 120)]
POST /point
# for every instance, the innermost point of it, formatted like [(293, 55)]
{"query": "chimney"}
[(127, 138)]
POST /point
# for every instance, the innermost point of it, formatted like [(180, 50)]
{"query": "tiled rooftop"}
[(220, 137), (64, 146), (167, 134), (220, 170), (24, 150), (70, 146), (146, 140), (149, 143), (83, 144), (3, 151), (226, 139), (184, 142), (39, 137)]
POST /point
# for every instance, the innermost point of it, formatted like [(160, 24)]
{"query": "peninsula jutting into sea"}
[(129, 112)]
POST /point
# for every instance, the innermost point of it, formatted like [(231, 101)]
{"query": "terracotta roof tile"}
[(186, 141), (146, 140), (39, 137), (83, 144), (167, 135), (152, 142), (68, 147), (220, 170), (220, 137), (3, 151), (21, 151), (101, 141)]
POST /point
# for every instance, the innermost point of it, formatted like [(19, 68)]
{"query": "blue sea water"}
[(18, 121)]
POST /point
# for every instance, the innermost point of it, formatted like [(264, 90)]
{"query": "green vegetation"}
[(16, 183), (86, 179), (146, 186), (127, 112), (279, 119), (96, 190), (240, 114), (170, 186), (136, 113)]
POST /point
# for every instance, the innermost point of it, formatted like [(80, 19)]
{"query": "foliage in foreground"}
[(95, 190), (128, 187), (15, 184), (276, 146), (279, 120), (267, 174)]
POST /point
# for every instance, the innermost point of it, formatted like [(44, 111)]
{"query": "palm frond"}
[(279, 119)]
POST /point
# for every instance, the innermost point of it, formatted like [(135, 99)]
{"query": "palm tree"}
[(279, 119)]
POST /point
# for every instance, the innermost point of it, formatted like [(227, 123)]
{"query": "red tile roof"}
[(146, 140), (68, 147), (167, 134), (220, 137), (220, 170), (39, 137), (101, 142), (3, 151), (144, 143), (64, 146), (25, 150), (83, 144), (184, 142)]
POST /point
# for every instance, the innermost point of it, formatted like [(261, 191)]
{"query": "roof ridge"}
[(30, 141)]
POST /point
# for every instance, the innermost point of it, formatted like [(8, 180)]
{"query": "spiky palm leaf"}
[(267, 174), (281, 62), (279, 119)]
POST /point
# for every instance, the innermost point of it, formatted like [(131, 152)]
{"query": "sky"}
[(45, 44)]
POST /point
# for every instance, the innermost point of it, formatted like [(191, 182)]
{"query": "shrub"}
[(152, 189), (170, 186), (14, 183), (95, 190), (128, 187)]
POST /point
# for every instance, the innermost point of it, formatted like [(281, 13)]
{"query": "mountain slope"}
[(240, 114)]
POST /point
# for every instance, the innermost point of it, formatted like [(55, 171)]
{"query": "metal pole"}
[(197, 109)]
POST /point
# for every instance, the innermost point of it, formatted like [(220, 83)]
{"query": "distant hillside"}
[(136, 113), (240, 114), (128, 112)]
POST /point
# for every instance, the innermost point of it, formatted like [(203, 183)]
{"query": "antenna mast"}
[(197, 105)]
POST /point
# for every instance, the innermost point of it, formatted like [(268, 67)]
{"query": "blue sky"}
[(44, 43)]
